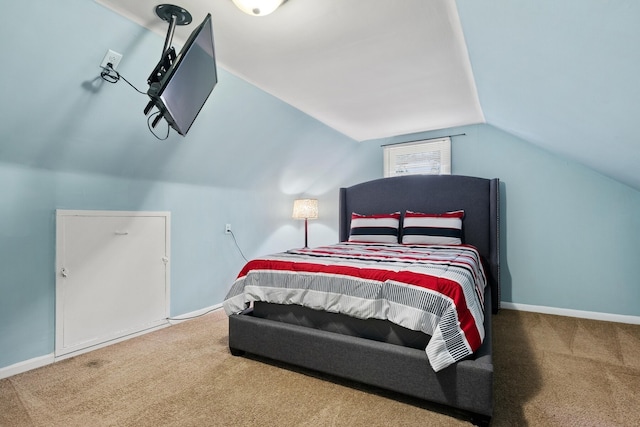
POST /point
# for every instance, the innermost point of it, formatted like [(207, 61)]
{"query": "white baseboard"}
[(48, 359), (197, 313), (26, 365), (594, 315), (40, 361), (62, 356)]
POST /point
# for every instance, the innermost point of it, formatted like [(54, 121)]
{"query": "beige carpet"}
[(550, 371)]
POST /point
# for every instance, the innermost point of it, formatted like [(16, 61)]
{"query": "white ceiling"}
[(367, 68), (560, 75)]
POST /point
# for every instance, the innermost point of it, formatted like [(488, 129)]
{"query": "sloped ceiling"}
[(561, 75)]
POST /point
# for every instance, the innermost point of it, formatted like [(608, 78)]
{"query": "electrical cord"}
[(193, 317), (149, 120), (110, 75), (213, 309), (217, 308), (238, 246)]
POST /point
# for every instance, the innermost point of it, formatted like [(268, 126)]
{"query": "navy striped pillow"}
[(432, 229), (380, 228)]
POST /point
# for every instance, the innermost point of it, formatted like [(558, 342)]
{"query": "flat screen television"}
[(181, 84)]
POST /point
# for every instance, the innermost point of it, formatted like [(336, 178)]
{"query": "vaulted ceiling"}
[(561, 75)]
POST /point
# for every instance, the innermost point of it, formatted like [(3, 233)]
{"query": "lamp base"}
[(306, 235)]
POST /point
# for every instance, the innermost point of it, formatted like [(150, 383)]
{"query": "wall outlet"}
[(227, 229), (112, 57)]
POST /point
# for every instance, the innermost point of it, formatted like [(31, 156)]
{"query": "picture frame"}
[(426, 157)]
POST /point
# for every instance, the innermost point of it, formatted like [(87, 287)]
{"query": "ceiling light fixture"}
[(258, 7)]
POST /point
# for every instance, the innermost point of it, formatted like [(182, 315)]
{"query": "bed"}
[(384, 352)]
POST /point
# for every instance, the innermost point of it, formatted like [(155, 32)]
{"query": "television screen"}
[(180, 85)]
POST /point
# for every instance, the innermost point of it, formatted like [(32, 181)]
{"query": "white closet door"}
[(112, 276)]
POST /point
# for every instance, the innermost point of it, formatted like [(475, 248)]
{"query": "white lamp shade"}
[(305, 209), (258, 7)]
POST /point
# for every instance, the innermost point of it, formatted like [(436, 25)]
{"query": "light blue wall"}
[(561, 75), (569, 234), (71, 141)]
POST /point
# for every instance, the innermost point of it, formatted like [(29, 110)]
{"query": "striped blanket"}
[(438, 290)]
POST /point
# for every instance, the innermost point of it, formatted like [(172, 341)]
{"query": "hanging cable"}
[(154, 117), (238, 246), (110, 75)]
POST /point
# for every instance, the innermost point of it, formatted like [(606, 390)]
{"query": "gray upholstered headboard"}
[(478, 197)]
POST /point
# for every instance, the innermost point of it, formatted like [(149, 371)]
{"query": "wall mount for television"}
[(174, 15)]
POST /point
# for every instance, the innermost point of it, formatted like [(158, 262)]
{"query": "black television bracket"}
[(174, 15)]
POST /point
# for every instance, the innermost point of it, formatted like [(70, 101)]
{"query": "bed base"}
[(466, 385)]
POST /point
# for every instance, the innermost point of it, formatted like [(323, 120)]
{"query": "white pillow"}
[(379, 228), (432, 229)]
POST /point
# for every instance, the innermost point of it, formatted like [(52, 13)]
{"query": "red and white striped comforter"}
[(438, 290)]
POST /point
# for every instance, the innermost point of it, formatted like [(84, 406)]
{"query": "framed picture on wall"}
[(427, 157)]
